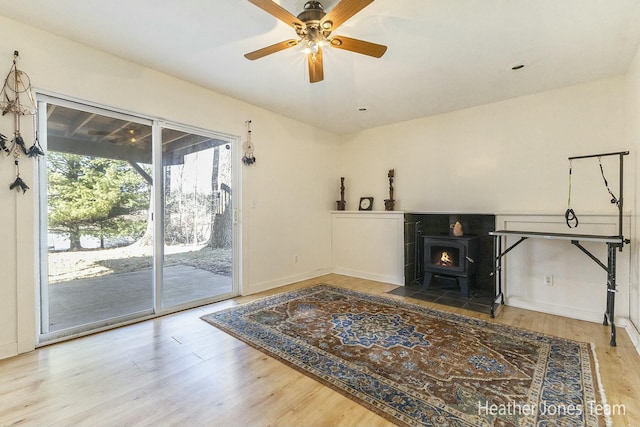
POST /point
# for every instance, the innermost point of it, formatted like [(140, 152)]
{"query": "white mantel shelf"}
[(369, 212)]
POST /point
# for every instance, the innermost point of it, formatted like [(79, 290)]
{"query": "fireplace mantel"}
[(369, 245)]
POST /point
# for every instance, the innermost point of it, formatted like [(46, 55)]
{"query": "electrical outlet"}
[(295, 259), (548, 280)]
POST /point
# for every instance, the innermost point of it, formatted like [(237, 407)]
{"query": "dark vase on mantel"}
[(341, 204), (389, 204)]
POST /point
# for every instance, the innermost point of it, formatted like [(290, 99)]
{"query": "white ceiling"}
[(443, 55)]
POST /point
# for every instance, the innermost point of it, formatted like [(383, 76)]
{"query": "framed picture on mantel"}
[(366, 204)]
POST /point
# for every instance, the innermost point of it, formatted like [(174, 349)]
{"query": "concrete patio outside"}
[(83, 301)]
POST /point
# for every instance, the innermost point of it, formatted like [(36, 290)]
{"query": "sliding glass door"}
[(198, 216), (106, 257), (98, 187)]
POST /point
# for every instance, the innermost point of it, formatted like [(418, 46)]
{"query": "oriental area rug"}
[(417, 366)]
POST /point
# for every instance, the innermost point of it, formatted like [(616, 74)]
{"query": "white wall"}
[(634, 132), (507, 156), (510, 158), (285, 204)]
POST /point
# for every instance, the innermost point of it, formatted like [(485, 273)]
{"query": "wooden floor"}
[(179, 370)]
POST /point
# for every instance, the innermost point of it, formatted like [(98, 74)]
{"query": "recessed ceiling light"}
[(517, 67)]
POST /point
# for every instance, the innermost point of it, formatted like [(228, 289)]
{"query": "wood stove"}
[(451, 257)]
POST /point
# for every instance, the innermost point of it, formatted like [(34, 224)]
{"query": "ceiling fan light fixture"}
[(314, 27), (313, 46)]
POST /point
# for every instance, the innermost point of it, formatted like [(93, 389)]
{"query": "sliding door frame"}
[(43, 335), (158, 191)]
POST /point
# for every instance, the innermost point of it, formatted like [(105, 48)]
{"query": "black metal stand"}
[(610, 268), (620, 201), (614, 244), (611, 291), (463, 283), (498, 299)]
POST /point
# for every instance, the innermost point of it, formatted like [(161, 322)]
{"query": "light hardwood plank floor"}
[(179, 370)]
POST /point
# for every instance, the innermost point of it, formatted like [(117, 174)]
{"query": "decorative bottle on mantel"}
[(389, 203), (341, 204), (457, 229)]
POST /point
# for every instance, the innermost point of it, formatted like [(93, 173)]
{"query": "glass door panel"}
[(198, 217), (99, 246), (104, 260)]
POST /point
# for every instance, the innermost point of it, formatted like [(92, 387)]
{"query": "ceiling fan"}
[(314, 27), (121, 135)]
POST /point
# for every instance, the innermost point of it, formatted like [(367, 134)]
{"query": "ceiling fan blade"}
[(316, 72), (257, 54), (358, 46), (279, 12), (343, 11)]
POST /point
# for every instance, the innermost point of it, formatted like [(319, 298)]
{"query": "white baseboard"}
[(276, 283), (8, 350), (570, 312), (634, 335), (394, 280)]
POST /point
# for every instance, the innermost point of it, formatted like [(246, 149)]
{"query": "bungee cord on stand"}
[(16, 97), (570, 215), (614, 199)]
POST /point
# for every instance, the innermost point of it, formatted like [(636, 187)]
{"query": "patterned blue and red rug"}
[(418, 366)]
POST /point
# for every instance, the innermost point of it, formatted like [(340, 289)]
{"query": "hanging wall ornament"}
[(3, 144), (16, 94), (248, 158), (16, 97), (36, 149)]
